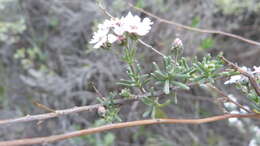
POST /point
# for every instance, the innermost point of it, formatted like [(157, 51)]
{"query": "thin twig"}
[(252, 42), (54, 138), (105, 11), (97, 91), (245, 73), (149, 46), (94, 107), (227, 98), (44, 107), (58, 113)]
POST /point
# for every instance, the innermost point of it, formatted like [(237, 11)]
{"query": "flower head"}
[(177, 43), (239, 78), (114, 29), (256, 70), (133, 24), (235, 79), (99, 38)]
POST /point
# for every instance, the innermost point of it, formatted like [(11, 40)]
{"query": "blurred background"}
[(45, 57)]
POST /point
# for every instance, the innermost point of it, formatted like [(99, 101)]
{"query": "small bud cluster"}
[(177, 43)]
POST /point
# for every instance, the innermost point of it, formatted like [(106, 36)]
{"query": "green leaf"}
[(127, 83), (182, 76), (175, 98), (167, 102), (140, 4), (158, 75), (109, 139), (2, 91), (147, 101), (181, 85), (207, 43), (153, 112), (159, 113), (156, 66), (147, 113), (166, 88), (195, 21)]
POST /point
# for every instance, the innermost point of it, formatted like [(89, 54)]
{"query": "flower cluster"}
[(177, 43), (242, 78), (116, 29)]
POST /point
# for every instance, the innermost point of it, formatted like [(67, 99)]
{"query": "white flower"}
[(256, 69), (242, 78), (114, 29), (233, 120), (111, 38), (236, 79), (99, 38), (177, 43), (230, 106), (133, 24)]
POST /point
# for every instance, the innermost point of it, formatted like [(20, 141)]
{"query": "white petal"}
[(112, 38), (147, 21), (256, 69)]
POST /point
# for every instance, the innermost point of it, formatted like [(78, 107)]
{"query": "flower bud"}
[(101, 111), (177, 48), (177, 43)]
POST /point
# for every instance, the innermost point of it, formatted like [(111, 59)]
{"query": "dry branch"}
[(252, 42), (57, 113), (227, 99), (94, 107), (54, 138)]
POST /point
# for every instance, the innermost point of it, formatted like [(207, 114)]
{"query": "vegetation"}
[(98, 66)]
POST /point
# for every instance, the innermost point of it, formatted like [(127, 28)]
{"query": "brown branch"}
[(57, 113), (54, 138), (94, 107), (252, 42), (227, 98), (152, 48), (41, 106), (245, 73)]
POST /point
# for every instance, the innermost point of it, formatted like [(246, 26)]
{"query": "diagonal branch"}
[(151, 47), (228, 99), (252, 42), (54, 138)]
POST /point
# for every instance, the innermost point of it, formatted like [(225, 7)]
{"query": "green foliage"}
[(237, 6), (136, 78), (134, 71), (171, 74), (250, 93), (154, 107), (10, 30), (195, 21), (2, 94), (207, 43), (111, 113), (175, 72), (207, 69), (125, 93), (3, 89), (140, 4), (31, 57)]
